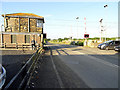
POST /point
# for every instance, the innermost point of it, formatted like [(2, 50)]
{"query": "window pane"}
[(39, 23), (27, 38), (13, 38)]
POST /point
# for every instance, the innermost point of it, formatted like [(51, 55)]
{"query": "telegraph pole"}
[(77, 18), (105, 6), (71, 33), (101, 27)]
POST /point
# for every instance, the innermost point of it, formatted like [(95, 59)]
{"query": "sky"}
[(60, 17)]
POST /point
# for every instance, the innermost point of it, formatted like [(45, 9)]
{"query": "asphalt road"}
[(95, 68), (51, 72)]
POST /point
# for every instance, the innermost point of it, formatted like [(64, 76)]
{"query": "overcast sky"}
[(60, 17)]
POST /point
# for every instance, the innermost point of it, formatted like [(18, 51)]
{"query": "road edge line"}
[(58, 76)]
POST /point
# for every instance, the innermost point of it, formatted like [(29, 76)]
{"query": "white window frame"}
[(39, 23)]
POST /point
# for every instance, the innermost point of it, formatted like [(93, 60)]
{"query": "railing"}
[(22, 78), (17, 45), (2, 76)]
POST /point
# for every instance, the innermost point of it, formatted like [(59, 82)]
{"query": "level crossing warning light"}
[(86, 35)]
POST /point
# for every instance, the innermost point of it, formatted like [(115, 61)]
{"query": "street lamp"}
[(105, 6), (101, 28), (77, 25)]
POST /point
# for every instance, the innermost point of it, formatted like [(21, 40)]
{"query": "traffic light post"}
[(86, 36)]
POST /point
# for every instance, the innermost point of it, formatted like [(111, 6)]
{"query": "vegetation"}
[(60, 39), (79, 42)]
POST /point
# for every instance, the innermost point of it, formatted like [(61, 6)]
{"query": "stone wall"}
[(33, 25), (23, 24), (13, 25)]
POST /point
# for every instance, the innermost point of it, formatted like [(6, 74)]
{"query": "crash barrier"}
[(2, 76), (22, 78)]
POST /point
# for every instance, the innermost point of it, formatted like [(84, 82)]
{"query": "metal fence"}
[(22, 78), (18, 45), (2, 76)]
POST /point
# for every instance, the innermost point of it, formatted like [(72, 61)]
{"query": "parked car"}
[(2, 76), (117, 48), (109, 44)]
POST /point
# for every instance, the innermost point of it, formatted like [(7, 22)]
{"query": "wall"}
[(6, 38), (91, 43), (23, 24), (20, 38), (13, 25)]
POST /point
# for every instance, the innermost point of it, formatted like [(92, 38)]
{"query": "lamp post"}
[(101, 27), (105, 6), (77, 18), (1, 35)]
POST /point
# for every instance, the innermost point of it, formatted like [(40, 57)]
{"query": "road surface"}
[(97, 68), (66, 66)]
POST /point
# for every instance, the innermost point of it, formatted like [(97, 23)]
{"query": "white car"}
[(2, 76)]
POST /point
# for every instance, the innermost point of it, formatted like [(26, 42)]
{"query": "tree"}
[(60, 39), (74, 39), (66, 38)]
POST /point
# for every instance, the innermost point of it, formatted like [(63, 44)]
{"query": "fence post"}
[(17, 45), (4, 45)]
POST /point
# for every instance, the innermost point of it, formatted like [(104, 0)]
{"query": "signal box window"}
[(27, 38), (39, 23), (13, 39)]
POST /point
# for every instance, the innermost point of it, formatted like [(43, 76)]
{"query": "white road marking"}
[(58, 76), (97, 59)]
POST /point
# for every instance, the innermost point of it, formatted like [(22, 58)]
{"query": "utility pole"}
[(77, 18), (71, 33), (105, 6), (101, 27)]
